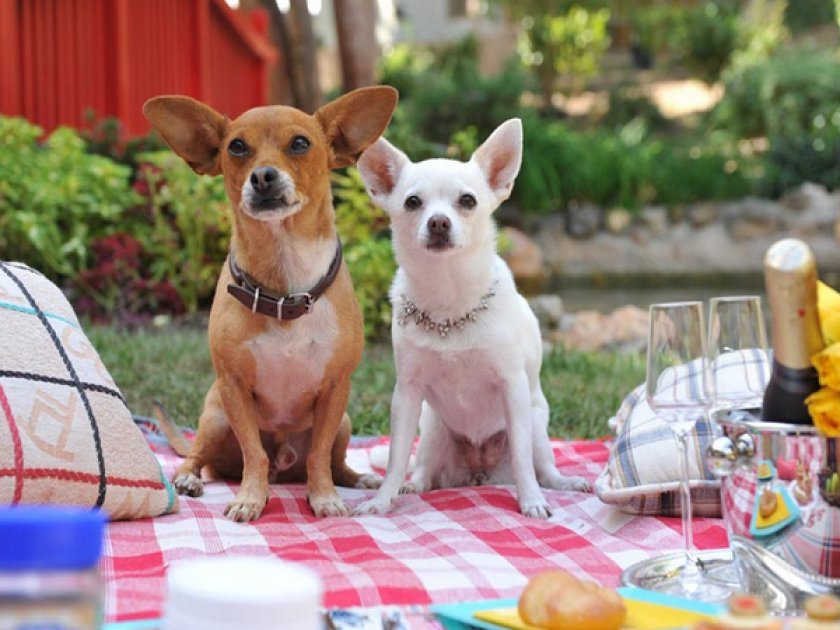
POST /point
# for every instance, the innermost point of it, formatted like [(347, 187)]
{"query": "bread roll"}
[(557, 600)]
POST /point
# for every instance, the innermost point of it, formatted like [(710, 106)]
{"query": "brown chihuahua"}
[(285, 328)]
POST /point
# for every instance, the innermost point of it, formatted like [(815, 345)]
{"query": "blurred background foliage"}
[(132, 233)]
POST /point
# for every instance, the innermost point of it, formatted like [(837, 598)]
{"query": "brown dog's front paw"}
[(328, 506), (243, 510), (368, 481), (188, 484)]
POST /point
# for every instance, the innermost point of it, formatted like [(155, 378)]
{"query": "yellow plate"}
[(640, 616)]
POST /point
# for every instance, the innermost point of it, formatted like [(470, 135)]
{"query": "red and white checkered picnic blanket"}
[(440, 547)]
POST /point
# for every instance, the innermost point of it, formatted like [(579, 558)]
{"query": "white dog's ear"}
[(380, 166), (500, 157)]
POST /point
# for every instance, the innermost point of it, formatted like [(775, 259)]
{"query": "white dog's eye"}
[(413, 202), (467, 201)]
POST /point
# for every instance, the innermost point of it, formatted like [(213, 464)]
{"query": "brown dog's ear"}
[(193, 130), (380, 166), (354, 121)]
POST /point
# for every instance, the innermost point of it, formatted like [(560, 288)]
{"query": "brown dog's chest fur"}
[(286, 364)]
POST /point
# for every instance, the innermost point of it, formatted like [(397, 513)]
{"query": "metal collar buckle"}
[(295, 299)]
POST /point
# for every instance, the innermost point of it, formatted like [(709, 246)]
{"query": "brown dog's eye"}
[(299, 145), (237, 148), (413, 202), (467, 201)]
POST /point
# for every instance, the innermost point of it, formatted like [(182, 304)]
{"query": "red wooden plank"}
[(204, 48), (27, 74), (11, 99), (120, 52), (42, 72), (49, 99), (107, 41)]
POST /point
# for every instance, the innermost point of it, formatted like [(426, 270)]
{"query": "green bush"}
[(654, 28), (104, 136), (792, 99), (812, 156), (187, 226), (800, 15), (694, 172), (628, 103), (367, 248), (444, 93), (709, 35), (55, 198), (403, 67), (781, 95), (625, 168), (608, 168), (447, 103), (402, 133), (566, 45)]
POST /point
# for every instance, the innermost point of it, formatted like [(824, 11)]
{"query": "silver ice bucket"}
[(787, 552)]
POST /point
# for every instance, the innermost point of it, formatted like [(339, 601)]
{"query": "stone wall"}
[(705, 239)]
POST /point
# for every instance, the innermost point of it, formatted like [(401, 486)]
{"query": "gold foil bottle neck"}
[(790, 276)]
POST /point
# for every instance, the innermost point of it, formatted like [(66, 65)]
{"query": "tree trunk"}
[(355, 23), (295, 80)]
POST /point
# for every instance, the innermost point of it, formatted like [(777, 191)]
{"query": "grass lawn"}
[(172, 364)]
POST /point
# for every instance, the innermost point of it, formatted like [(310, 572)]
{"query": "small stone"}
[(702, 214), (548, 309), (618, 220), (655, 218), (524, 257), (583, 220)]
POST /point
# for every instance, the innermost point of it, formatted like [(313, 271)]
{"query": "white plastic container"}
[(256, 593)]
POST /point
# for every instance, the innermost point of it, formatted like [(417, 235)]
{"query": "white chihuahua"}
[(467, 346)]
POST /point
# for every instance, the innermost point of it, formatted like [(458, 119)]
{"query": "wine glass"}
[(738, 360), (677, 389), (739, 367)]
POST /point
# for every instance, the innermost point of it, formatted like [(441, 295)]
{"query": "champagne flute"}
[(738, 360), (677, 389), (739, 367)]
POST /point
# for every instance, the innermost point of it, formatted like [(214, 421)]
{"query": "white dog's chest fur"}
[(465, 390), (291, 362)]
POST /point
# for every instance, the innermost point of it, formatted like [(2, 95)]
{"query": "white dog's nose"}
[(439, 225)]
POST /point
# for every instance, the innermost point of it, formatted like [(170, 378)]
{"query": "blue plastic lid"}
[(50, 538)]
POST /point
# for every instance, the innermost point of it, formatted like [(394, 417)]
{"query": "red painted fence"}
[(59, 58)]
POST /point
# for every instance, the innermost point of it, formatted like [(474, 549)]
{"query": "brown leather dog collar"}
[(283, 307)]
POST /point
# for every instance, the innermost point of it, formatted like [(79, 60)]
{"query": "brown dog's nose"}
[(439, 225), (263, 178)]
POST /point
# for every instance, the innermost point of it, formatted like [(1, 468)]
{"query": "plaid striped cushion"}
[(642, 474), (70, 437)]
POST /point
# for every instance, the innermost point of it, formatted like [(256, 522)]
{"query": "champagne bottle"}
[(790, 276)]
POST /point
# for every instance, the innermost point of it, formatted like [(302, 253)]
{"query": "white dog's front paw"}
[(578, 484), (561, 482), (369, 481), (535, 509), (372, 506), (413, 487)]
